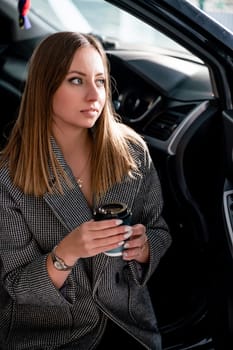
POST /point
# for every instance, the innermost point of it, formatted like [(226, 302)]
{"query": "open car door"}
[(227, 205), (192, 290)]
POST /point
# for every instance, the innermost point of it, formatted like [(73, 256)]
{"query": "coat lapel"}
[(71, 207), (125, 192)]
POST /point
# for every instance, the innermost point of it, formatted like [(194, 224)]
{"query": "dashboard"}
[(159, 95)]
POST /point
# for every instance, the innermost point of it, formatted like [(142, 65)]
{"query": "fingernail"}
[(126, 245), (128, 229), (127, 235), (121, 243), (118, 222)]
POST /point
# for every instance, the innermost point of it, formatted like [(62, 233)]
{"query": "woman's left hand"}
[(137, 247)]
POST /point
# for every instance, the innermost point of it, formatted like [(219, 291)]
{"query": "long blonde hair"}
[(29, 151)]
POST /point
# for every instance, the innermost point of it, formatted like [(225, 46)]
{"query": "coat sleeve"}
[(23, 265), (157, 231)]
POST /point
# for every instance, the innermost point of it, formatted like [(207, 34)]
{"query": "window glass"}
[(105, 20), (220, 10)]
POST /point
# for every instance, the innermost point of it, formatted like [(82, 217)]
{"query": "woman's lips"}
[(92, 112)]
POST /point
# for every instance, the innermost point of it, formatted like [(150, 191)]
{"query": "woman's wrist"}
[(61, 260)]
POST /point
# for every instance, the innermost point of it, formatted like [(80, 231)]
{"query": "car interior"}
[(172, 101)]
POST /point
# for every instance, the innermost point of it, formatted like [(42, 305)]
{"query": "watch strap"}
[(58, 262)]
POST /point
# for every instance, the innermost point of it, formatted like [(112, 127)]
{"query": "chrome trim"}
[(227, 216), (184, 125), (170, 145)]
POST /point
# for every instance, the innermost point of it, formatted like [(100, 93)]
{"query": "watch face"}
[(58, 263)]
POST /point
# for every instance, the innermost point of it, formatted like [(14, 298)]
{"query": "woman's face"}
[(79, 100)]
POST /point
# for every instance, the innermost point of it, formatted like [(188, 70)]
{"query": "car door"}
[(192, 289), (227, 200)]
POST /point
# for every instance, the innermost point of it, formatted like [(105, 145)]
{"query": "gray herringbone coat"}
[(33, 313)]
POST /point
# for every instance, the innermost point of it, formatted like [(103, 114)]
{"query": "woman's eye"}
[(76, 81), (100, 82)]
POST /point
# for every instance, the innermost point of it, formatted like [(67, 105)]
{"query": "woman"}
[(66, 155)]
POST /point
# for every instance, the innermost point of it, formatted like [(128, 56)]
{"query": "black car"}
[(172, 81)]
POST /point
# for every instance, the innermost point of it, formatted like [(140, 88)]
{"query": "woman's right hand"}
[(92, 238), (89, 239)]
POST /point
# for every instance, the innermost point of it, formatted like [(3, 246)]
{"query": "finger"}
[(108, 239), (105, 224), (135, 246), (113, 239), (139, 229), (136, 241), (99, 232), (138, 253), (144, 245)]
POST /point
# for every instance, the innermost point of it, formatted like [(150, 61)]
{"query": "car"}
[(172, 81)]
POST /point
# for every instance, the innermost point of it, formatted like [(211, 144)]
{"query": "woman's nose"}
[(92, 91)]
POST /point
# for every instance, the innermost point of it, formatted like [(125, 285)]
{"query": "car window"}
[(220, 10)]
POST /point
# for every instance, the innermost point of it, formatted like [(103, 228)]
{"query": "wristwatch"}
[(58, 262)]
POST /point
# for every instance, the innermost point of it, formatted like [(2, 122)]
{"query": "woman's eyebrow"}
[(76, 72), (84, 74)]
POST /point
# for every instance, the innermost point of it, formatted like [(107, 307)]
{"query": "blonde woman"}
[(67, 154)]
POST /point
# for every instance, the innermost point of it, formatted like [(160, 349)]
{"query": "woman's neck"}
[(75, 144)]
